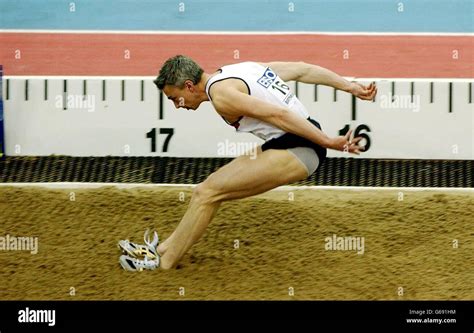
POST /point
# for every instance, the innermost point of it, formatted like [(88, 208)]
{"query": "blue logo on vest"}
[(267, 79)]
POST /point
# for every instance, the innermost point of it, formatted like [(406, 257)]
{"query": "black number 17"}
[(152, 135)]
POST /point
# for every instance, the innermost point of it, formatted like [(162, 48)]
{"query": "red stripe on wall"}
[(358, 56)]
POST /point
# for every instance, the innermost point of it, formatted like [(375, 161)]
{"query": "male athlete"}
[(252, 97)]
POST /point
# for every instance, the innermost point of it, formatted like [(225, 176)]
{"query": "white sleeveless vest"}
[(264, 84)]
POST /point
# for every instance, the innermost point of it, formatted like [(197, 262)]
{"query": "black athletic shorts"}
[(289, 140)]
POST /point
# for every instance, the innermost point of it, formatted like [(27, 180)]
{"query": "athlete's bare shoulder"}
[(220, 88)]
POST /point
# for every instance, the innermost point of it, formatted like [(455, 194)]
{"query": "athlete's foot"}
[(166, 264), (141, 250), (161, 249)]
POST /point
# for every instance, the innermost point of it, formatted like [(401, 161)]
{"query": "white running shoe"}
[(147, 250), (136, 265)]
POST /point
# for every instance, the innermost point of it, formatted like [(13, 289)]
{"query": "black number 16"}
[(357, 133), (280, 86)]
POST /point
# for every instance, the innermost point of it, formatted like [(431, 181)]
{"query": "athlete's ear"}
[(189, 85)]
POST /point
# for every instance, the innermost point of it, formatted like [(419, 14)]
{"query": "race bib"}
[(276, 86)]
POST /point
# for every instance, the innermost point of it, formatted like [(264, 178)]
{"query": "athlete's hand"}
[(346, 144), (363, 92)]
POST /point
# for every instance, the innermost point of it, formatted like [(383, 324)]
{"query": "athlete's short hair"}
[(176, 70)]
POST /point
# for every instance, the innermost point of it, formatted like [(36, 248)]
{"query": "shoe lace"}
[(155, 240)]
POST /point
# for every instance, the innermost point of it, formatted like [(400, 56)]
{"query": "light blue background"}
[(246, 15)]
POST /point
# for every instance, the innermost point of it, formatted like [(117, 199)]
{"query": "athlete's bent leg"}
[(243, 177)]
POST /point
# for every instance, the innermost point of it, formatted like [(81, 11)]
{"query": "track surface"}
[(143, 54)]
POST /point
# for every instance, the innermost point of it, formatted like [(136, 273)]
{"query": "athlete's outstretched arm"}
[(309, 73), (232, 103)]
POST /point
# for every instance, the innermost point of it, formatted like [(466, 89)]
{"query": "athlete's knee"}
[(205, 193)]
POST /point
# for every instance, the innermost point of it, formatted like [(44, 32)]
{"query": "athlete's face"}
[(186, 97)]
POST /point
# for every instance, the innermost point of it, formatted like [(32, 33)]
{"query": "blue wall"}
[(246, 15)]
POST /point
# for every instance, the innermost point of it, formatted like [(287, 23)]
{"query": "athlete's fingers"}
[(374, 93), (348, 135), (356, 140), (367, 94), (358, 149), (354, 151), (371, 87), (365, 90), (354, 148), (368, 89), (370, 94), (365, 97)]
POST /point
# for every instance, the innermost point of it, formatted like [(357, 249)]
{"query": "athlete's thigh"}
[(246, 176)]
